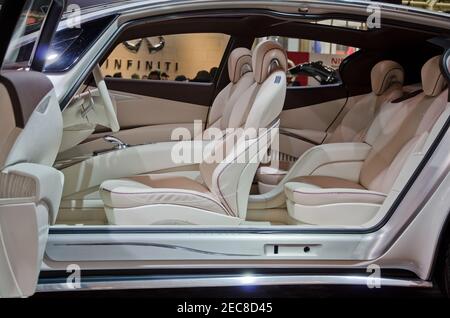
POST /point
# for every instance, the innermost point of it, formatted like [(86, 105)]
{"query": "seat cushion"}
[(321, 190), (328, 182), (159, 189)]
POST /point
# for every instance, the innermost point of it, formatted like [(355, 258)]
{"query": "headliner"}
[(256, 23)]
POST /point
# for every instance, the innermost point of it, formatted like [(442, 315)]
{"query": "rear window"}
[(310, 62)]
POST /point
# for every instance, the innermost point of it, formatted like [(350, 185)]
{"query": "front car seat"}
[(222, 198), (241, 78)]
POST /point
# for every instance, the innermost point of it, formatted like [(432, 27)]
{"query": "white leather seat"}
[(174, 190), (330, 200), (241, 78), (222, 199), (387, 81), (105, 168)]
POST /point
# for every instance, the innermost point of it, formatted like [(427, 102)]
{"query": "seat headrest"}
[(433, 82), (385, 74), (268, 56), (239, 63)]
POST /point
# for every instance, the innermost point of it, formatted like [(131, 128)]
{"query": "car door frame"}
[(301, 234)]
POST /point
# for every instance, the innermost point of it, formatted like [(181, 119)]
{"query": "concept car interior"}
[(150, 135)]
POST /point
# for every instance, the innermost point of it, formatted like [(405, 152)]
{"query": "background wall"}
[(183, 54)]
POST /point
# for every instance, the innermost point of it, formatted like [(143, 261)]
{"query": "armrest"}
[(313, 159), (312, 136), (36, 182), (151, 158)]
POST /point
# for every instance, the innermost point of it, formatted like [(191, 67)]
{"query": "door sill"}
[(199, 281)]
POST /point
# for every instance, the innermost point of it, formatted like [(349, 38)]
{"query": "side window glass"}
[(27, 30), (193, 57), (312, 63)]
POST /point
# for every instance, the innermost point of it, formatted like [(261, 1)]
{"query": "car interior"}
[(136, 128), (344, 150), (333, 154)]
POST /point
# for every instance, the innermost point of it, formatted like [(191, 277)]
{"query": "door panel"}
[(135, 136), (139, 110), (147, 119), (307, 126), (186, 92), (297, 97), (315, 117), (160, 105)]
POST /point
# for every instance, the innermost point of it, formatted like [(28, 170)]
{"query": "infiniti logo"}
[(135, 45)]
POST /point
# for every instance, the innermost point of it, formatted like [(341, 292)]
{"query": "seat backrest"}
[(395, 136), (30, 119), (387, 85), (229, 169), (241, 78)]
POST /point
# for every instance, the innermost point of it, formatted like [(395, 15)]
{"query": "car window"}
[(436, 5), (20, 50), (193, 57), (312, 63)]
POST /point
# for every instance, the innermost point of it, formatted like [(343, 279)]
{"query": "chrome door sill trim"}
[(198, 281)]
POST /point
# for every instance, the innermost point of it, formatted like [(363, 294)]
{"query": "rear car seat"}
[(387, 80), (391, 139)]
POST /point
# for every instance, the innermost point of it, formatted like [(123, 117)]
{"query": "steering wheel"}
[(110, 112)]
